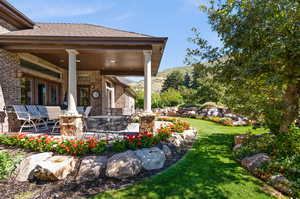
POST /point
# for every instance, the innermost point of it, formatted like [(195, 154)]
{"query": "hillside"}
[(158, 81)]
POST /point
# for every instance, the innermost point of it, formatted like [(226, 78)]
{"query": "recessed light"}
[(113, 61)]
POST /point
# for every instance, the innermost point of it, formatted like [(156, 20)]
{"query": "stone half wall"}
[(10, 90)]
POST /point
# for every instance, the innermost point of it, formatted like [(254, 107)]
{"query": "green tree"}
[(187, 80), (198, 72), (188, 94), (208, 91), (171, 97), (156, 100), (261, 43), (173, 80)]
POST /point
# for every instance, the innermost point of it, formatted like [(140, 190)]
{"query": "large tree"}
[(262, 50), (173, 80)]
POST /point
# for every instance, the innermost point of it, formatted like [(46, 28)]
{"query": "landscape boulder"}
[(55, 168), (281, 183), (255, 161), (189, 134), (152, 158), (29, 164), (167, 151), (123, 165), (91, 167), (176, 140)]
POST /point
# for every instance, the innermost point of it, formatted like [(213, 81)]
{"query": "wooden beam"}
[(123, 73)]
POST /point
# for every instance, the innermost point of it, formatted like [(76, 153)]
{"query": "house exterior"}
[(77, 64)]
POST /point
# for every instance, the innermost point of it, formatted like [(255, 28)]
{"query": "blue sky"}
[(163, 18)]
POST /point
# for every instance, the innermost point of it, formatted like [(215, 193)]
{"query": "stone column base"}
[(71, 125), (147, 123)]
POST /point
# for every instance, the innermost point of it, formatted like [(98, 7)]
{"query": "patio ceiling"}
[(112, 56)]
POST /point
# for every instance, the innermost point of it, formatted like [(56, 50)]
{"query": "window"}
[(83, 96), (41, 93), (26, 91), (54, 94), (35, 67)]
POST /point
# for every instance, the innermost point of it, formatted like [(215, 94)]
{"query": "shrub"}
[(142, 140), (171, 97), (44, 143), (178, 125), (8, 163)]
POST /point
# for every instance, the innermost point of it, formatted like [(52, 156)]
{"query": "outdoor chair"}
[(25, 117), (54, 113), (85, 114), (80, 109), (40, 121), (43, 111)]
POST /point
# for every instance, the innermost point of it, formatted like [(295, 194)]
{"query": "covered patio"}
[(86, 49)]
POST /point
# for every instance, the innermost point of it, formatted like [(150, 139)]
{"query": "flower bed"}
[(142, 140), (226, 121), (178, 125), (282, 170), (44, 143)]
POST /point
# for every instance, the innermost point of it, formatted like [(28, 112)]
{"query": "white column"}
[(147, 81), (72, 87)]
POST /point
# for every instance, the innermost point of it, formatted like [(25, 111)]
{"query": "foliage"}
[(173, 80), (208, 91), (187, 81), (171, 97), (44, 143), (178, 125), (155, 98), (142, 140), (259, 61), (284, 150), (8, 163), (188, 94)]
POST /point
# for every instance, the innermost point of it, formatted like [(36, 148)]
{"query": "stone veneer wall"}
[(119, 96), (10, 90)]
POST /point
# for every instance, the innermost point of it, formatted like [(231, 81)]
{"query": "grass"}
[(207, 171)]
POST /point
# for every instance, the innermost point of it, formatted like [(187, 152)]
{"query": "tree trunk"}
[(291, 105)]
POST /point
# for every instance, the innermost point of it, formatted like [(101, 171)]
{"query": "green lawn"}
[(207, 171)]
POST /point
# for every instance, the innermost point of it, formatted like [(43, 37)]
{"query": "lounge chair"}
[(54, 113), (40, 121), (24, 116)]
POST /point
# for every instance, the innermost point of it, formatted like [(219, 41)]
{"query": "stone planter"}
[(71, 125), (147, 123)]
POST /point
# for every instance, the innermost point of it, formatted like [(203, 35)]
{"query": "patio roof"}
[(113, 52)]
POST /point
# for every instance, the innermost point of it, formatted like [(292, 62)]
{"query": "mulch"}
[(69, 188)]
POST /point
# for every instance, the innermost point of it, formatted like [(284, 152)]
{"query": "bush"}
[(8, 163), (171, 97), (178, 125), (284, 150), (142, 140)]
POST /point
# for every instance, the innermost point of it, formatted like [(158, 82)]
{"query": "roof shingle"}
[(73, 30)]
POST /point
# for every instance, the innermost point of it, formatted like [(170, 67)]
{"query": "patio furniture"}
[(80, 109), (108, 123), (35, 114), (43, 111), (24, 116), (54, 113)]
